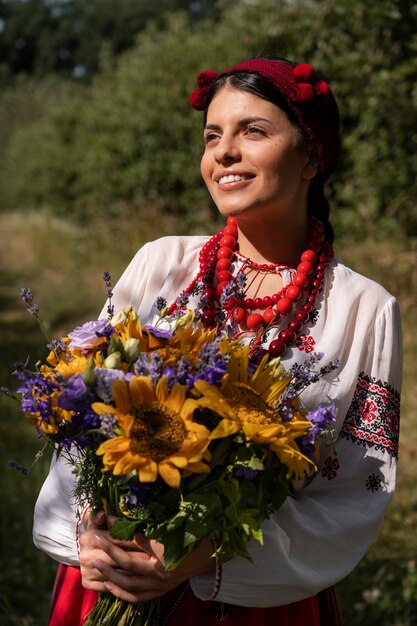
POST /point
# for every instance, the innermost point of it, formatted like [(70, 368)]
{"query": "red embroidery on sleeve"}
[(305, 343), (374, 415), (330, 468)]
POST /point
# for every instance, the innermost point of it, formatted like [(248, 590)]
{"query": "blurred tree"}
[(43, 36), (130, 140)]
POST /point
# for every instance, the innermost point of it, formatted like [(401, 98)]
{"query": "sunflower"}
[(128, 326), (156, 434), (247, 402), (77, 365), (191, 338)]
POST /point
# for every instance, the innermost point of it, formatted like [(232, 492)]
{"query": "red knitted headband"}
[(309, 98)]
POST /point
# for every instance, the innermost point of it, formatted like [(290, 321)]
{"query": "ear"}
[(312, 166)]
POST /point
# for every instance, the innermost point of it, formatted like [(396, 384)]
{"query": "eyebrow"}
[(243, 122)]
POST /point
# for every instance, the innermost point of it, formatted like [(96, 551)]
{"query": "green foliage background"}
[(96, 161)]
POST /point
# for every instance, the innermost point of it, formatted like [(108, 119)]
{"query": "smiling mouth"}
[(233, 178)]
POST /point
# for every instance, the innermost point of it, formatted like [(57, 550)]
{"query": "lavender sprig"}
[(109, 292), (22, 469), (33, 309), (235, 288), (27, 297)]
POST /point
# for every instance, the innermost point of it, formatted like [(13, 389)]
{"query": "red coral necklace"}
[(215, 278)]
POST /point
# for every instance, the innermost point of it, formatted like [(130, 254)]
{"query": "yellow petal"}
[(121, 395), (115, 444), (178, 461), (100, 407), (224, 429), (127, 464), (197, 468), (141, 391), (148, 473), (176, 397), (170, 474)]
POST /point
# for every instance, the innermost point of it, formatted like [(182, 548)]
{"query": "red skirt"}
[(71, 604)]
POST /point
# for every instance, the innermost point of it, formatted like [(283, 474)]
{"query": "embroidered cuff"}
[(218, 574), (80, 528)]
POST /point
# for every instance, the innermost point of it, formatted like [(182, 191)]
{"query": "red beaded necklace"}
[(216, 258)]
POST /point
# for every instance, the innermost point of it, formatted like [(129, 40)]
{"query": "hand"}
[(134, 571), (95, 526)]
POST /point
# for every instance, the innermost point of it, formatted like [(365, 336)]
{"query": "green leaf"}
[(124, 529), (174, 548)]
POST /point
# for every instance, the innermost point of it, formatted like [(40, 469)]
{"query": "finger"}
[(100, 518), (131, 562), (94, 519), (152, 547), (111, 519), (132, 596), (89, 541)]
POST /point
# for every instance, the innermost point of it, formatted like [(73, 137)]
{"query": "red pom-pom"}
[(303, 72), (204, 82), (206, 79), (198, 99), (322, 88), (303, 92)]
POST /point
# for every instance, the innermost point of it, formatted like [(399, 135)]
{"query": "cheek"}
[(204, 168), (287, 162)]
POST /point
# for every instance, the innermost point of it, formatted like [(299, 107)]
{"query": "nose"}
[(227, 149)]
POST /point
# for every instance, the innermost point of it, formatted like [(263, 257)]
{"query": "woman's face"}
[(254, 163)]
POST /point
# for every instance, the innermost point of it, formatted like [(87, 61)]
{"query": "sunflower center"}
[(158, 432), (249, 405)]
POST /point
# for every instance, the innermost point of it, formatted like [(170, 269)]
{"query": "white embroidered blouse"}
[(318, 536)]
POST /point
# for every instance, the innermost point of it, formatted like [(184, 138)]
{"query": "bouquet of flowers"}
[(170, 428)]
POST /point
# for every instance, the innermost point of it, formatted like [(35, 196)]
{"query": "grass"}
[(63, 264)]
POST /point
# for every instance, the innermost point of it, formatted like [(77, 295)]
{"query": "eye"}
[(210, 136), (255, 130)]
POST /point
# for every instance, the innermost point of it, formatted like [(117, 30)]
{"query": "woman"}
[(271, 139)]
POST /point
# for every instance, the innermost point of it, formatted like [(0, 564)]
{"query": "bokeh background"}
[(99, 152)]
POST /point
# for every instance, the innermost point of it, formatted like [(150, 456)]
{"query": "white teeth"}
[(231, 178)]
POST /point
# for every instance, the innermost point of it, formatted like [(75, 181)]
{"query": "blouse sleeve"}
[(55, 519), (320, 534)]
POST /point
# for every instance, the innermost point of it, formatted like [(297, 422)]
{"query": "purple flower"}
[(236, 287), (88, 335), (76, 395), (19, 370), (138, 493), (36, 391), (58, 346), (182, 300), (160, 303), (149, 365), (17, 466), (107, 279), (320, 418), (87, 420), (212, 365), (27, 297), (160, 333), (323, 416), (108, 422), (104, 383), (245, 472), (81, 425), (179, 374)]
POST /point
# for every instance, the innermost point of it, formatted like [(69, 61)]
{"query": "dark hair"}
[(317, 204)]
